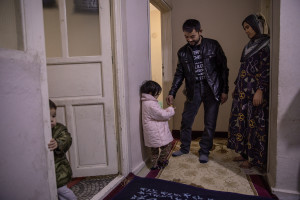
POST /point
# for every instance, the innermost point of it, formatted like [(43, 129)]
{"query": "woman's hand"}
[(224, 98), (258, 97)]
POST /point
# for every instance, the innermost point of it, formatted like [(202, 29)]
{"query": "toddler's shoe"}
[(155, 168), (163, 164)]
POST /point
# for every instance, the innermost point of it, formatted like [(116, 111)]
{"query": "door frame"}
[(119, 75), (117, 12), (166, 38)]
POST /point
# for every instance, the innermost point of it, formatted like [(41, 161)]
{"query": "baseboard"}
[(107, 189), (284, 194), (139, 167), (196, 134)]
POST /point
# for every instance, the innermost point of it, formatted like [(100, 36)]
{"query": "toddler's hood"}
[(148, 97)]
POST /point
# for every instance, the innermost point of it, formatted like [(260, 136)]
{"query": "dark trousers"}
[(203, 94)]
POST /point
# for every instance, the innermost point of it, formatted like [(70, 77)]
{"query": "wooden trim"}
[(123, 136)]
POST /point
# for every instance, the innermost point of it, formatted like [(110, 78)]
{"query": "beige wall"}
[(156, 54), (220, 20)]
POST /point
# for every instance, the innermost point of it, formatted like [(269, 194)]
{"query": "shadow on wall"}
[(289, 130), (290, 124), (145, 151)]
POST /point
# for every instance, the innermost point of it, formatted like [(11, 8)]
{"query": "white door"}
[(80, 79), (26, 164)]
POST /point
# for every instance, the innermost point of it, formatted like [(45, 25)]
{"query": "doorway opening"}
[(156, 48), (161, 47)]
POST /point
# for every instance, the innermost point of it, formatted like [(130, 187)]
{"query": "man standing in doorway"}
[(203, 66)]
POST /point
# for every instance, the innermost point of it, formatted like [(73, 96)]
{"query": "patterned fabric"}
[(150, 188), (62, 167), (163, 156), (248, 124)]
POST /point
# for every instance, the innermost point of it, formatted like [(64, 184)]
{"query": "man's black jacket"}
[(215, 67)]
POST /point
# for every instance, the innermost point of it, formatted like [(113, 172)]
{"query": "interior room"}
[(91, 57)]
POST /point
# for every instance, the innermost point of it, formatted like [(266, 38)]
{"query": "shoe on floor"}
[(203, 158), (154, 168), (178, 153), (163, 164)]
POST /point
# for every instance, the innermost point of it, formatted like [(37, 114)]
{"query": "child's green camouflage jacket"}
[(62, 167)]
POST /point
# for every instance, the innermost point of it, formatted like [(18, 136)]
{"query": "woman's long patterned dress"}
[(248, 124)]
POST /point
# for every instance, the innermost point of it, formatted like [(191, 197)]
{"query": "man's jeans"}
[(203, 94)]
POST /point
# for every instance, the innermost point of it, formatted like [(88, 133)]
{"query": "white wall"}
[(137, 67), (222, 21), (284, 165)]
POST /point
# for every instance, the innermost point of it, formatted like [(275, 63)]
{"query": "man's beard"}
[(194, 43)]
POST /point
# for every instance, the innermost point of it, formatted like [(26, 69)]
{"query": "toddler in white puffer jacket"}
[(157, 134)]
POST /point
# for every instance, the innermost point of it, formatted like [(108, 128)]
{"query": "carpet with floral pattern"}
[(221, 173)]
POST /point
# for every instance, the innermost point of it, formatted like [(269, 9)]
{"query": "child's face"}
[(156, 96), (53, 117)]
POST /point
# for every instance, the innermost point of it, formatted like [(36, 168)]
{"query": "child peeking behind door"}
[(60, 144)]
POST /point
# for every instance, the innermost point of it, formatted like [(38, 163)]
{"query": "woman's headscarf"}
[(260, 40)]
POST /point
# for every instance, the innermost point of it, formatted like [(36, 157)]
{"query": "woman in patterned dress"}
[(248, 123)]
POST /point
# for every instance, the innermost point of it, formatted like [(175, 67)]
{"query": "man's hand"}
[(170, 100), (224, 98), (258, 97), (52, 145)]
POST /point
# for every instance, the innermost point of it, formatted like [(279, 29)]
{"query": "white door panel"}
[(82, 87), (26, 162), (75, 80)]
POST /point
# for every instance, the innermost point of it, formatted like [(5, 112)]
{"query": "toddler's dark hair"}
[(52, 104), (150, 87)]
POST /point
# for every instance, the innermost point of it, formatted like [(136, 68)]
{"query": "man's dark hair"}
[(150, 87), (191, 24), (52, 104)]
